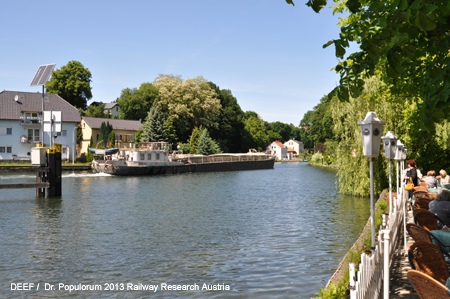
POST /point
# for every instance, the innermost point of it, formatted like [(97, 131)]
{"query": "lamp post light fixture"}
[(398, 157), (371, 130), (390, 145)]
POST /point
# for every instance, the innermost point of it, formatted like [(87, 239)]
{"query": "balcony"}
[(29, 139), (30, 121)]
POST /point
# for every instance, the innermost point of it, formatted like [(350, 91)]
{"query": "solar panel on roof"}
[(42, 74)]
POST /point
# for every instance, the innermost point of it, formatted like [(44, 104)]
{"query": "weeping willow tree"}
[(354, 171), (429, 148)]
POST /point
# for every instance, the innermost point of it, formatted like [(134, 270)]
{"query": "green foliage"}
[(407, 40), (135, 103), (171, 131), (230, 124), (138, 135), (154, 126), (206, 145), (255, 135), (191, 103), (89, 155), (72, 82), (105, 130), (333, 292), (185, 148), (112, 138), (97, 111), (194, 140), (79, 133)]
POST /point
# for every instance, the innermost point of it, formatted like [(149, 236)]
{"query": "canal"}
[(277, 233)]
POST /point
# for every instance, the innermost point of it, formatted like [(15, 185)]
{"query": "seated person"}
[(445, 179), (431, 179), (441, 207)]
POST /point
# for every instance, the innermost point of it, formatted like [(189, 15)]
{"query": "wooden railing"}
[(374, 270)]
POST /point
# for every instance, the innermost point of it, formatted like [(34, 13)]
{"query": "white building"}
[(113, 109), (277, 149), (21, 123), (296, 145)]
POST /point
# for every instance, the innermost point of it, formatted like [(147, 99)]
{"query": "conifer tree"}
[(206, 145), (193, 142), (154, 126)]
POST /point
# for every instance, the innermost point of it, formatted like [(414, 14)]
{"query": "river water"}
[(277, 233)]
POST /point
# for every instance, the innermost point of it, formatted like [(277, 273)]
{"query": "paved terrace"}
[(400, 287)]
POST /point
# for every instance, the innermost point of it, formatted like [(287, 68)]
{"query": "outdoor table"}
[(433, 190), (442, 239)]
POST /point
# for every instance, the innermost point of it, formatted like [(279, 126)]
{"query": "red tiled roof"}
[(290, 149), (279, 144)]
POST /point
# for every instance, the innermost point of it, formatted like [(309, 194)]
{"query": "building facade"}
[(277, 149), (21, 124), (296, 145), (125, 130), (113, 109)]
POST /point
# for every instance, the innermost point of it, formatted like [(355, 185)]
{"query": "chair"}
[(422, 203), (426, 286), (425, 219), (431, 196), (424, 184), (428, 259), (419, 234)]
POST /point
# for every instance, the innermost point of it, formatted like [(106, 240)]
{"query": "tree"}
[(206, 145), (170, 130), (72, 82), (255, 134), (229, 132), (154, 126), (135, 103), (97, 111), (408, 40), (193, 142), (112, 138), (190, 103), (105, 130)]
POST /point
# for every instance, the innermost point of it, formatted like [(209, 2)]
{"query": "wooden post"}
[(40, 178)]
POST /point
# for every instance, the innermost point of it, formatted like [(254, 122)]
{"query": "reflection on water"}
[(265, 233)]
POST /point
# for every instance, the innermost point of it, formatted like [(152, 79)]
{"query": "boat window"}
[(149, 156), (142, 157), (157, 156)]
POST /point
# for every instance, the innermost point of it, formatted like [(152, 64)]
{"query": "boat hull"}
[(122, 168)]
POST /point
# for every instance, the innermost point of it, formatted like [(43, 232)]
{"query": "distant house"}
[(21, 123), (113, 109), (277, 149), (296, 145), (125, 130), (291, 152)]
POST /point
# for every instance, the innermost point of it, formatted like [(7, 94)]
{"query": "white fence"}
[(373, 270)]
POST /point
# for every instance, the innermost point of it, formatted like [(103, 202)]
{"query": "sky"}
[(267, 53)]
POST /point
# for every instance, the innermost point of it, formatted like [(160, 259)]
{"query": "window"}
[(64, 132), (33, 135), (5, 149), (64, 150), (142, 157), (8, 131), (149, 156), (157, 156), (97, 138), (84, 125), (117, 108)]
